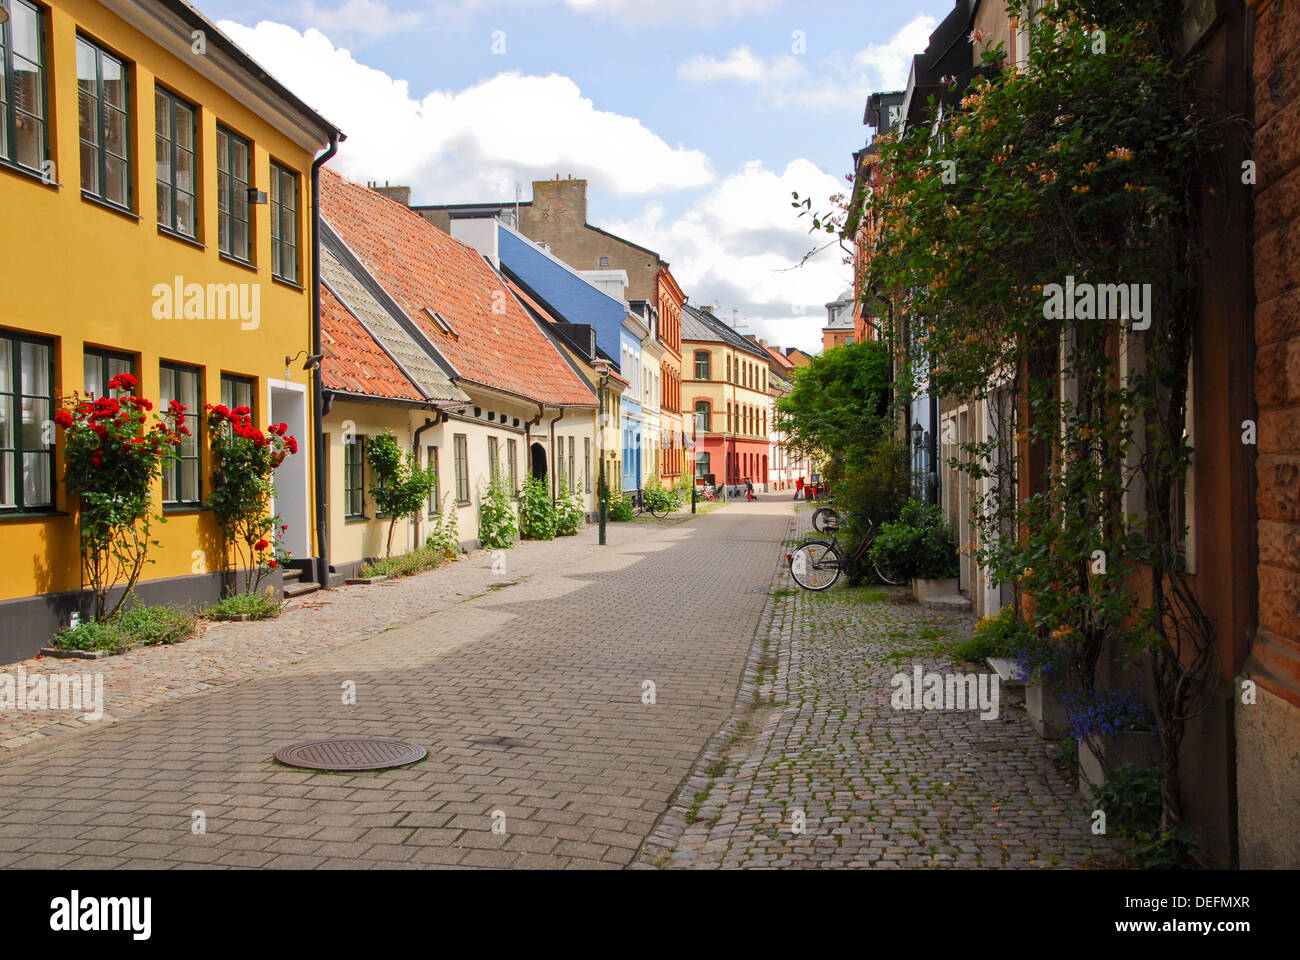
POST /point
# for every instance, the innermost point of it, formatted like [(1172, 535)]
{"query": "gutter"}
[(415, 449), (317, 392)]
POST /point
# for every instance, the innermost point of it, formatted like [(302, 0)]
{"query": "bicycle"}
[(817, 564), (822, 515), (658, 509)]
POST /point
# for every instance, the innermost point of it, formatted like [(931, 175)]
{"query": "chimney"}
[(401, 194), (708, 310), (560, 201)]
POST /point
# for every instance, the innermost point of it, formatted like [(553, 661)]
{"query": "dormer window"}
[(441, 322)]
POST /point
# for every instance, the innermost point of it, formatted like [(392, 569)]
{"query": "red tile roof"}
[(353, 361), (780, 360), (422, 267)]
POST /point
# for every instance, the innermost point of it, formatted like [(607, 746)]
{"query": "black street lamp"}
[(602, 366)]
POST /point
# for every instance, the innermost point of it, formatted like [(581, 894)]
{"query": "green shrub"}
[(406, 564), (620, 507), (138, 625), (255, 606), (91, 635), (568, 510), (874, 490), (445, 535), (918, 544), (657, 497), (400, 488), (154, 626), (537, 520), (496, 515), (1003, 635)]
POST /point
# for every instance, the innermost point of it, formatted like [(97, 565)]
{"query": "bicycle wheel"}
[(815, 564), (659, 512), (888, 575), (821, 515)]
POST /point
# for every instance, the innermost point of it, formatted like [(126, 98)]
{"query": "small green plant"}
[(417, 561), (568, 510), (1000, 635), (620, 507), (445, 535), (537, 520), (496, 515), (138, 625), (254, 606), (657, 497), (401, 486), (917, 545)]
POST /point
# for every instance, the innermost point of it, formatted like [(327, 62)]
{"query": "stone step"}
[(300, 589), (291, 573), (952, 601)]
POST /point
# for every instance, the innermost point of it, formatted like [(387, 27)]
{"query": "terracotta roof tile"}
[(353, 361), (423, 268)]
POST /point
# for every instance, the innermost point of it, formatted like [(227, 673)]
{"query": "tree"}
[(401, 487)]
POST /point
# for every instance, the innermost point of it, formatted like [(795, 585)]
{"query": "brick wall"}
[(1268, 732)]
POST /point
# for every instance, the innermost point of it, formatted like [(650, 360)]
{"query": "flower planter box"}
[(1138, 749), (925, 590), (1045, 705)]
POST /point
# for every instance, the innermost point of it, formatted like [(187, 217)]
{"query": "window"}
[(728, 368), (105, 124), (435, 492), (237, 392), (703, 416), (701, 464), (603, 261), (26, 408), (174, 138), (586, 463), (354, 478), (101, 366), (573, 477), (284, 223), (462, 469), (511, 450), (181, 477), (23, 135), (234, 171), (493, 466)]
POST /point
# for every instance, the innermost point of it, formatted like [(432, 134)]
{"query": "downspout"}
[(317, 391), (415, 449)]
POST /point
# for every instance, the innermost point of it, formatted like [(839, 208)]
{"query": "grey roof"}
[(703, 326), (388, 332)]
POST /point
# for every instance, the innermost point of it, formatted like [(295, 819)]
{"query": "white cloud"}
[(738, 243), (471, 144), (831, 82), (637, 13), (372, 19)]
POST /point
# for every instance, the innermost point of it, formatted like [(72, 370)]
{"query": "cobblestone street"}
[(532, 710), (814, 734)]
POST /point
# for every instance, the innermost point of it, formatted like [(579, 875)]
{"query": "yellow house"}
[(156, 189)]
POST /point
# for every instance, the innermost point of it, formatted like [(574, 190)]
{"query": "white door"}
[(292, 491)]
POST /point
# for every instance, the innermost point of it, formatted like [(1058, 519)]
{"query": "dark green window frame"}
[(170, 152), (461, 444), (96, 110), (26, 425), (101, 366), (233, 209), (512, 453), (23, 108), (354, 478), (703, 416), (237, 391), (183, 477), (703, 365), (284, 223), (494, 452)]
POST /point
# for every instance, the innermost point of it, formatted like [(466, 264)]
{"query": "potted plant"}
[(919, 546), (1042, 666), (1114, 728)]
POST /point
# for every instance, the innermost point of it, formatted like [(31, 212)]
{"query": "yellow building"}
[(155, 185)]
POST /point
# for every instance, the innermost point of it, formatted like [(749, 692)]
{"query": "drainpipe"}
[(317, 391), (555, 474), (415, 449)]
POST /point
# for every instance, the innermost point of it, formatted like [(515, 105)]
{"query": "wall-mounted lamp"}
[(256, 196), (311, 363), (4, 14)]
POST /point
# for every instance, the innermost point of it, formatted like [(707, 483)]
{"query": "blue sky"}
[(692, 119)]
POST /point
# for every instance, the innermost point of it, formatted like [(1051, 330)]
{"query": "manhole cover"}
[(351, 753)]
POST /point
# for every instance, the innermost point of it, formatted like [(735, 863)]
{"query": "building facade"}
[(184, 278)]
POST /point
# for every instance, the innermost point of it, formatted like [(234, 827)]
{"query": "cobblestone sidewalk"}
[(816, 769)]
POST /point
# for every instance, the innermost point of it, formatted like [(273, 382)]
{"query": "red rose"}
[(272, 564), (261, 544), (98, 458), (63, 419)]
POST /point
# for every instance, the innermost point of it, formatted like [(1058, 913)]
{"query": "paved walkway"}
[(529, 700), (816, 769)]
